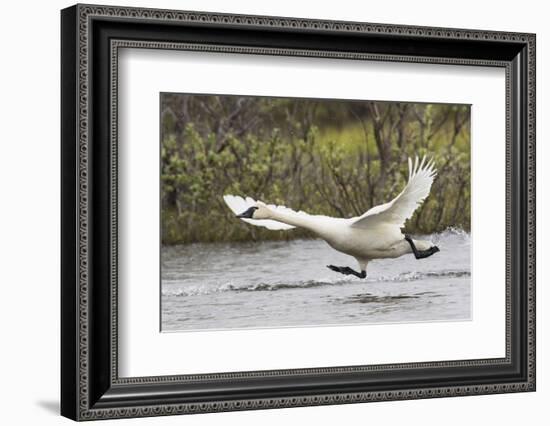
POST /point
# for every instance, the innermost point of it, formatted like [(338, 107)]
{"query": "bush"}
[(337, 158)]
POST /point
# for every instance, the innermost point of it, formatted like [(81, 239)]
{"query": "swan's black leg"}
[(346, 270), (421, 254)]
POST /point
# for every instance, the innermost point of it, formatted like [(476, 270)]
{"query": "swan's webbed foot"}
[(421, 254), (346, 270)]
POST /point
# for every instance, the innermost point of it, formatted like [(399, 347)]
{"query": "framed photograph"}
[(263, 212)]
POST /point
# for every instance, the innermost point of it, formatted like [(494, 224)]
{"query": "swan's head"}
[(258, 211)]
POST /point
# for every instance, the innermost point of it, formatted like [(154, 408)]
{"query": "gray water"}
[(281, 284)]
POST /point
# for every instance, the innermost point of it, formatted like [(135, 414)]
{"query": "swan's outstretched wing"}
[(239, 204), (402, 207)]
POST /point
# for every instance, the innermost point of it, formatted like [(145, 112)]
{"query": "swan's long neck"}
[(294, 219)]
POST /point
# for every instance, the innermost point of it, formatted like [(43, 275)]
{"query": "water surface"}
[(280, 284)]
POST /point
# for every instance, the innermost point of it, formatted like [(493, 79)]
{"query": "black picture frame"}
[(90, 386)]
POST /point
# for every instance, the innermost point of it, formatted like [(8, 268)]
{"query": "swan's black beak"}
[(248, 214)]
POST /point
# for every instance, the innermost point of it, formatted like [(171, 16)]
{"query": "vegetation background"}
[(333, 157)]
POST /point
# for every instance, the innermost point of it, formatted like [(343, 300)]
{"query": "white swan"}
[(374, 235)]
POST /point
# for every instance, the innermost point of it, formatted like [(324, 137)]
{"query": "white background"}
[(146, 352), (29, 229)]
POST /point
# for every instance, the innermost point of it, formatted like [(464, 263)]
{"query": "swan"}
[(374, 235)]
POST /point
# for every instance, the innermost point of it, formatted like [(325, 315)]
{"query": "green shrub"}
[(337, 158)]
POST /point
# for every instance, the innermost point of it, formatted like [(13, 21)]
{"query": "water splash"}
[(199, 290)]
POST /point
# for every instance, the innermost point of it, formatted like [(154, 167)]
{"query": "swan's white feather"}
[(239, 204), (402, 207)]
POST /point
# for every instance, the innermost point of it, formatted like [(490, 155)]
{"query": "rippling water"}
[(280, 284)]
